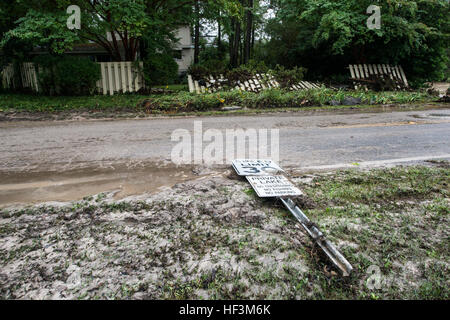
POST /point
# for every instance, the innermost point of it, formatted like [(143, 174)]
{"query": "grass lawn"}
[(215, 239), (184, 102), (173, 87)]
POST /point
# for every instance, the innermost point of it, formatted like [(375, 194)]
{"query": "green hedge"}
[(187, 102)]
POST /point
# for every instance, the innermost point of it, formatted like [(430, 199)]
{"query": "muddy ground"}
[(212, 238), (12, 115)]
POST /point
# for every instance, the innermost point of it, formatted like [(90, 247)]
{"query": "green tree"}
[(127, 23), (326, 35)]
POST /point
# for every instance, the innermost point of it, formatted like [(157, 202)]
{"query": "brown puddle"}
[(30, 188)]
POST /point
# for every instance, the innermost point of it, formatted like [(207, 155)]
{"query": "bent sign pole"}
[(314, 232), (257, 173)]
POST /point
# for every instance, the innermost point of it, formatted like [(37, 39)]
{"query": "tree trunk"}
[(197, 33), (248, 31), (219, 34), (235, 43)]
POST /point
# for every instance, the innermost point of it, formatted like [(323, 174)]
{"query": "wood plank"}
[(352, 73), (123, 77), (197, 87), (374, 69), (386, 67), (35, 78), (403, 76), (395, 76), (141, 75), (366, 70), (117, 81), (389, 71), (110, 78), (25, 75), (397, 72), (361, 72), (383, 68), (102, 69), (356, 69), (306, 84), (191, 84), (380, 69), (358, 75), (130, 77)]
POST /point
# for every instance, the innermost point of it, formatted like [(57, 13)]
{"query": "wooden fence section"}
[(27, 73), (117, 77), (120, 77), (256, 84), (364, 71)]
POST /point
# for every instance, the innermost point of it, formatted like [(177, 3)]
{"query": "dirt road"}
[(42, 161)]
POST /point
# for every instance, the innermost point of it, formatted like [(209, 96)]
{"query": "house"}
[(183, 50)]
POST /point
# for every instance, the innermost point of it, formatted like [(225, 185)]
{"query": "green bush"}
[(78, 76), (198, 71), (67, 75), (160, 68), (288, 77), (256, 66), (215, 66)]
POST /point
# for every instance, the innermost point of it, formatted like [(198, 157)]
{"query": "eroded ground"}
[(212, 238)]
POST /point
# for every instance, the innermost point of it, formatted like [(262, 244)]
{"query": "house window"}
[(177, 54)]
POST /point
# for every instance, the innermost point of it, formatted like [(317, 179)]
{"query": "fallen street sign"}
[(255, 167), (273, 186), (265, 185)]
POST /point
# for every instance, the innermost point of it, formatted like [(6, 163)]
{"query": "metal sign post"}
[(314, 232), (256, 172)]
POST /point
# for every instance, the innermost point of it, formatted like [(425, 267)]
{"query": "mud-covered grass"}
[(396, 219), (214, 239)]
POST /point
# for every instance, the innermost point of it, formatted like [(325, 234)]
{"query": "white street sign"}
[(273, 186), (255, 167)]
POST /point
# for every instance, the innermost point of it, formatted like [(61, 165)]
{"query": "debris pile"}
[(244, 82)]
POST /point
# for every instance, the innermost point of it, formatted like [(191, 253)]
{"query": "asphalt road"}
[(65, 160)]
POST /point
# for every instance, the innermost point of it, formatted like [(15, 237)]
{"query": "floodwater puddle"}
[(38, 187)]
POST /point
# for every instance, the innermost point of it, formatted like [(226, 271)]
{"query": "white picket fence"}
[(364, 71), (117, 77), (28, 75), (120, 77)]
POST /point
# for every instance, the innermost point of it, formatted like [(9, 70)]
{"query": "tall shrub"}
[(160, 68), (67, 75)]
